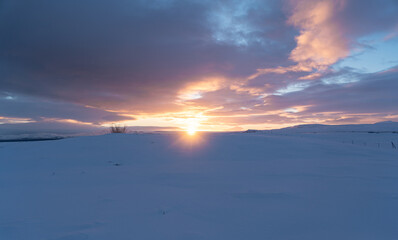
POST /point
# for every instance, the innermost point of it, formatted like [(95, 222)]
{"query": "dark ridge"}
[(31, 139)]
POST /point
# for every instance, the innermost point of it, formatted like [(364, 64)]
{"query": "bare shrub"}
[(118, 129)]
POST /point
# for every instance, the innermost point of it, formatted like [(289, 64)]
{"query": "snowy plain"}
[(286, 184)]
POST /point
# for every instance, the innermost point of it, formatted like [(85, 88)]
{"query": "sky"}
[(196, 65)]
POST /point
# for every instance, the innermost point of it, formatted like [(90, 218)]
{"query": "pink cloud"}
[(321, 41)]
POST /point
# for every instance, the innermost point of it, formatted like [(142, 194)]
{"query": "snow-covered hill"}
[(380, 127), (210, 186), (379, 135)]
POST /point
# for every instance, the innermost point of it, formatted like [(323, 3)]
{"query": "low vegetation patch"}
[(118, 129)]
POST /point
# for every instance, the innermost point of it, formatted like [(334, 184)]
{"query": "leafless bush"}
[(118, 129)]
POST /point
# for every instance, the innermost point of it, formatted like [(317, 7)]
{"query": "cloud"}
[(133, 61), (46, 129), (5, 120), (328, 32), (132, 55), (322, 40), (36, 109), (372, 98), (194, 90)]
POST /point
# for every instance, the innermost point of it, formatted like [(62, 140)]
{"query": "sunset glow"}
[(228, 67), (191, 132)]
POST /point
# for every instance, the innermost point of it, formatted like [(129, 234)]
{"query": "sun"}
[(191, 131), (191, 125)]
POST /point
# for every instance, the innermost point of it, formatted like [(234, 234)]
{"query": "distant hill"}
[(387, 126)]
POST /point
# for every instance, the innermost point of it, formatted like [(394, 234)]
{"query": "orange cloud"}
[(321, 41), (196, 89), (61, 120)]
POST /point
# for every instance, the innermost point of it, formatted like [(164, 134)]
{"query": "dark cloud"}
[(47, 129), (127, 54), (361, 17), (38, 109), (373, 93), (370, 96)]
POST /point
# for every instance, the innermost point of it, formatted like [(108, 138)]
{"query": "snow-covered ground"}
[(263, 185), (379, 135)]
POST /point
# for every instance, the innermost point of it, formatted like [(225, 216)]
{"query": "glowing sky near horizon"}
[(198, 65)]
